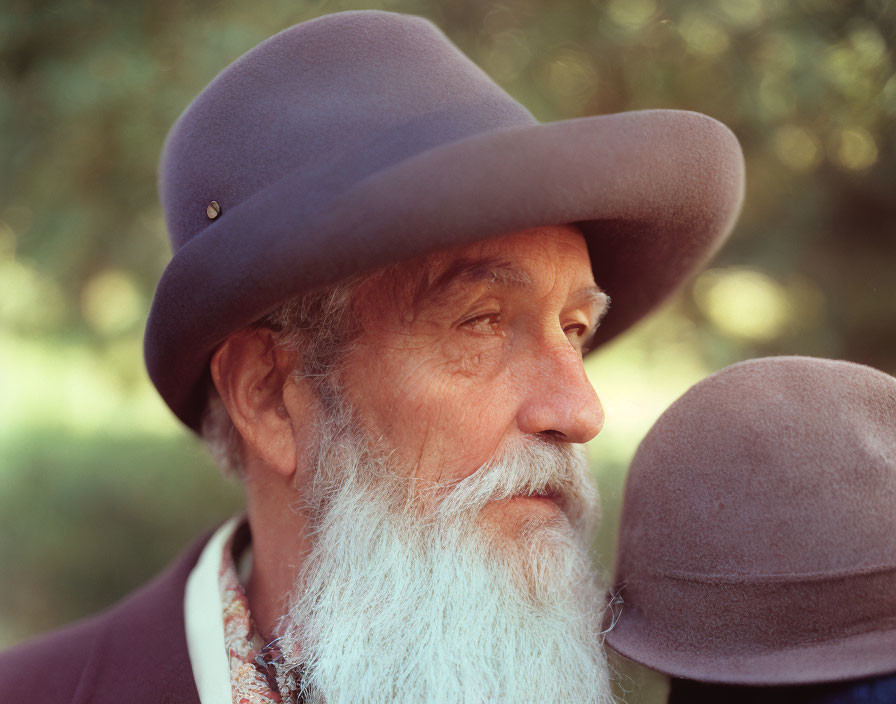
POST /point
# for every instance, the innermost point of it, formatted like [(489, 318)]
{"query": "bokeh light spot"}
[(111, 302), (743, 14), (571, 79), (797, 148), (508, 55), (869, 45), (631, 14), (28, 300), (856, 149), (743, 303), (888, 96), (845, 69), (702, 35)]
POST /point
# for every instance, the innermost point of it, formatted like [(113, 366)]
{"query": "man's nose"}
[(561, 401)]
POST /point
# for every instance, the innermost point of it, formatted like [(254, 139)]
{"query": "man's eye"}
[(487, 322)]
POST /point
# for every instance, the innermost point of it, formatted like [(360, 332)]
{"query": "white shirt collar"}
[(204, 621)]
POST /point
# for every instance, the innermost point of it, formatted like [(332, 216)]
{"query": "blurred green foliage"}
[(99, 485), (86, 519)]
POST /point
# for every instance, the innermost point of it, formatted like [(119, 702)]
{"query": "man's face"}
[(475, 354), (448, 507)]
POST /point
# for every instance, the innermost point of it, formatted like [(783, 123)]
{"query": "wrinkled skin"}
[(484, 359)]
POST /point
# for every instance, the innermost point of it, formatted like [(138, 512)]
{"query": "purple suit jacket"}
[(134, 652)]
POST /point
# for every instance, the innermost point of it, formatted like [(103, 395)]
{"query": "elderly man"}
[(386, 275)]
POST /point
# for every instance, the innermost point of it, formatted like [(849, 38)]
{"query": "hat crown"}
[(782, 466), (336, 98), (758, 536)]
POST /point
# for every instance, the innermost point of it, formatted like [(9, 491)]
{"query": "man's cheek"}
[(447, 397), (467, 356), (463, 432)]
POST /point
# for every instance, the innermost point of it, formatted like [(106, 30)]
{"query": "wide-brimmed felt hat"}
[(757, 542), (358, 139)]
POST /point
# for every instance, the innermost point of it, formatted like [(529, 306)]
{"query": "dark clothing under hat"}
[(875, 690)]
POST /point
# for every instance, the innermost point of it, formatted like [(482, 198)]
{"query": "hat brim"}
[(655, 193), (848, 657)]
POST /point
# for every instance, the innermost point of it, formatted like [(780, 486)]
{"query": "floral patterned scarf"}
[(258, 674)]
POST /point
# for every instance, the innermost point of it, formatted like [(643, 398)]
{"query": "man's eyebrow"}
[(481, 271), (495, 271), (593, 296)]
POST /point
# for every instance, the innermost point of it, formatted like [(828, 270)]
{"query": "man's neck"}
[(279, 540)]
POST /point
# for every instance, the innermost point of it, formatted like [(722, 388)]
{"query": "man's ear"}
[(251, 374)]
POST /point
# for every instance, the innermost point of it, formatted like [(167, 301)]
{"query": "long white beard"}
[(395, 604)]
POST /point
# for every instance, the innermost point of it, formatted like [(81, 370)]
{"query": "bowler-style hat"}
[(358, 139), (758, 536)]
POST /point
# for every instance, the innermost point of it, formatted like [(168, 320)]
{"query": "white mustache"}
[(533, 468)]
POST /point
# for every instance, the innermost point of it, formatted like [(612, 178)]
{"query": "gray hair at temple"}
[(318, 327)]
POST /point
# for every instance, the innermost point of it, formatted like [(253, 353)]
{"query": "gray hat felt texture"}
[(359, 139), (757, 541)]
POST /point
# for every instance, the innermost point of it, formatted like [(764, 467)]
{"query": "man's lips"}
[(548, 495)]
